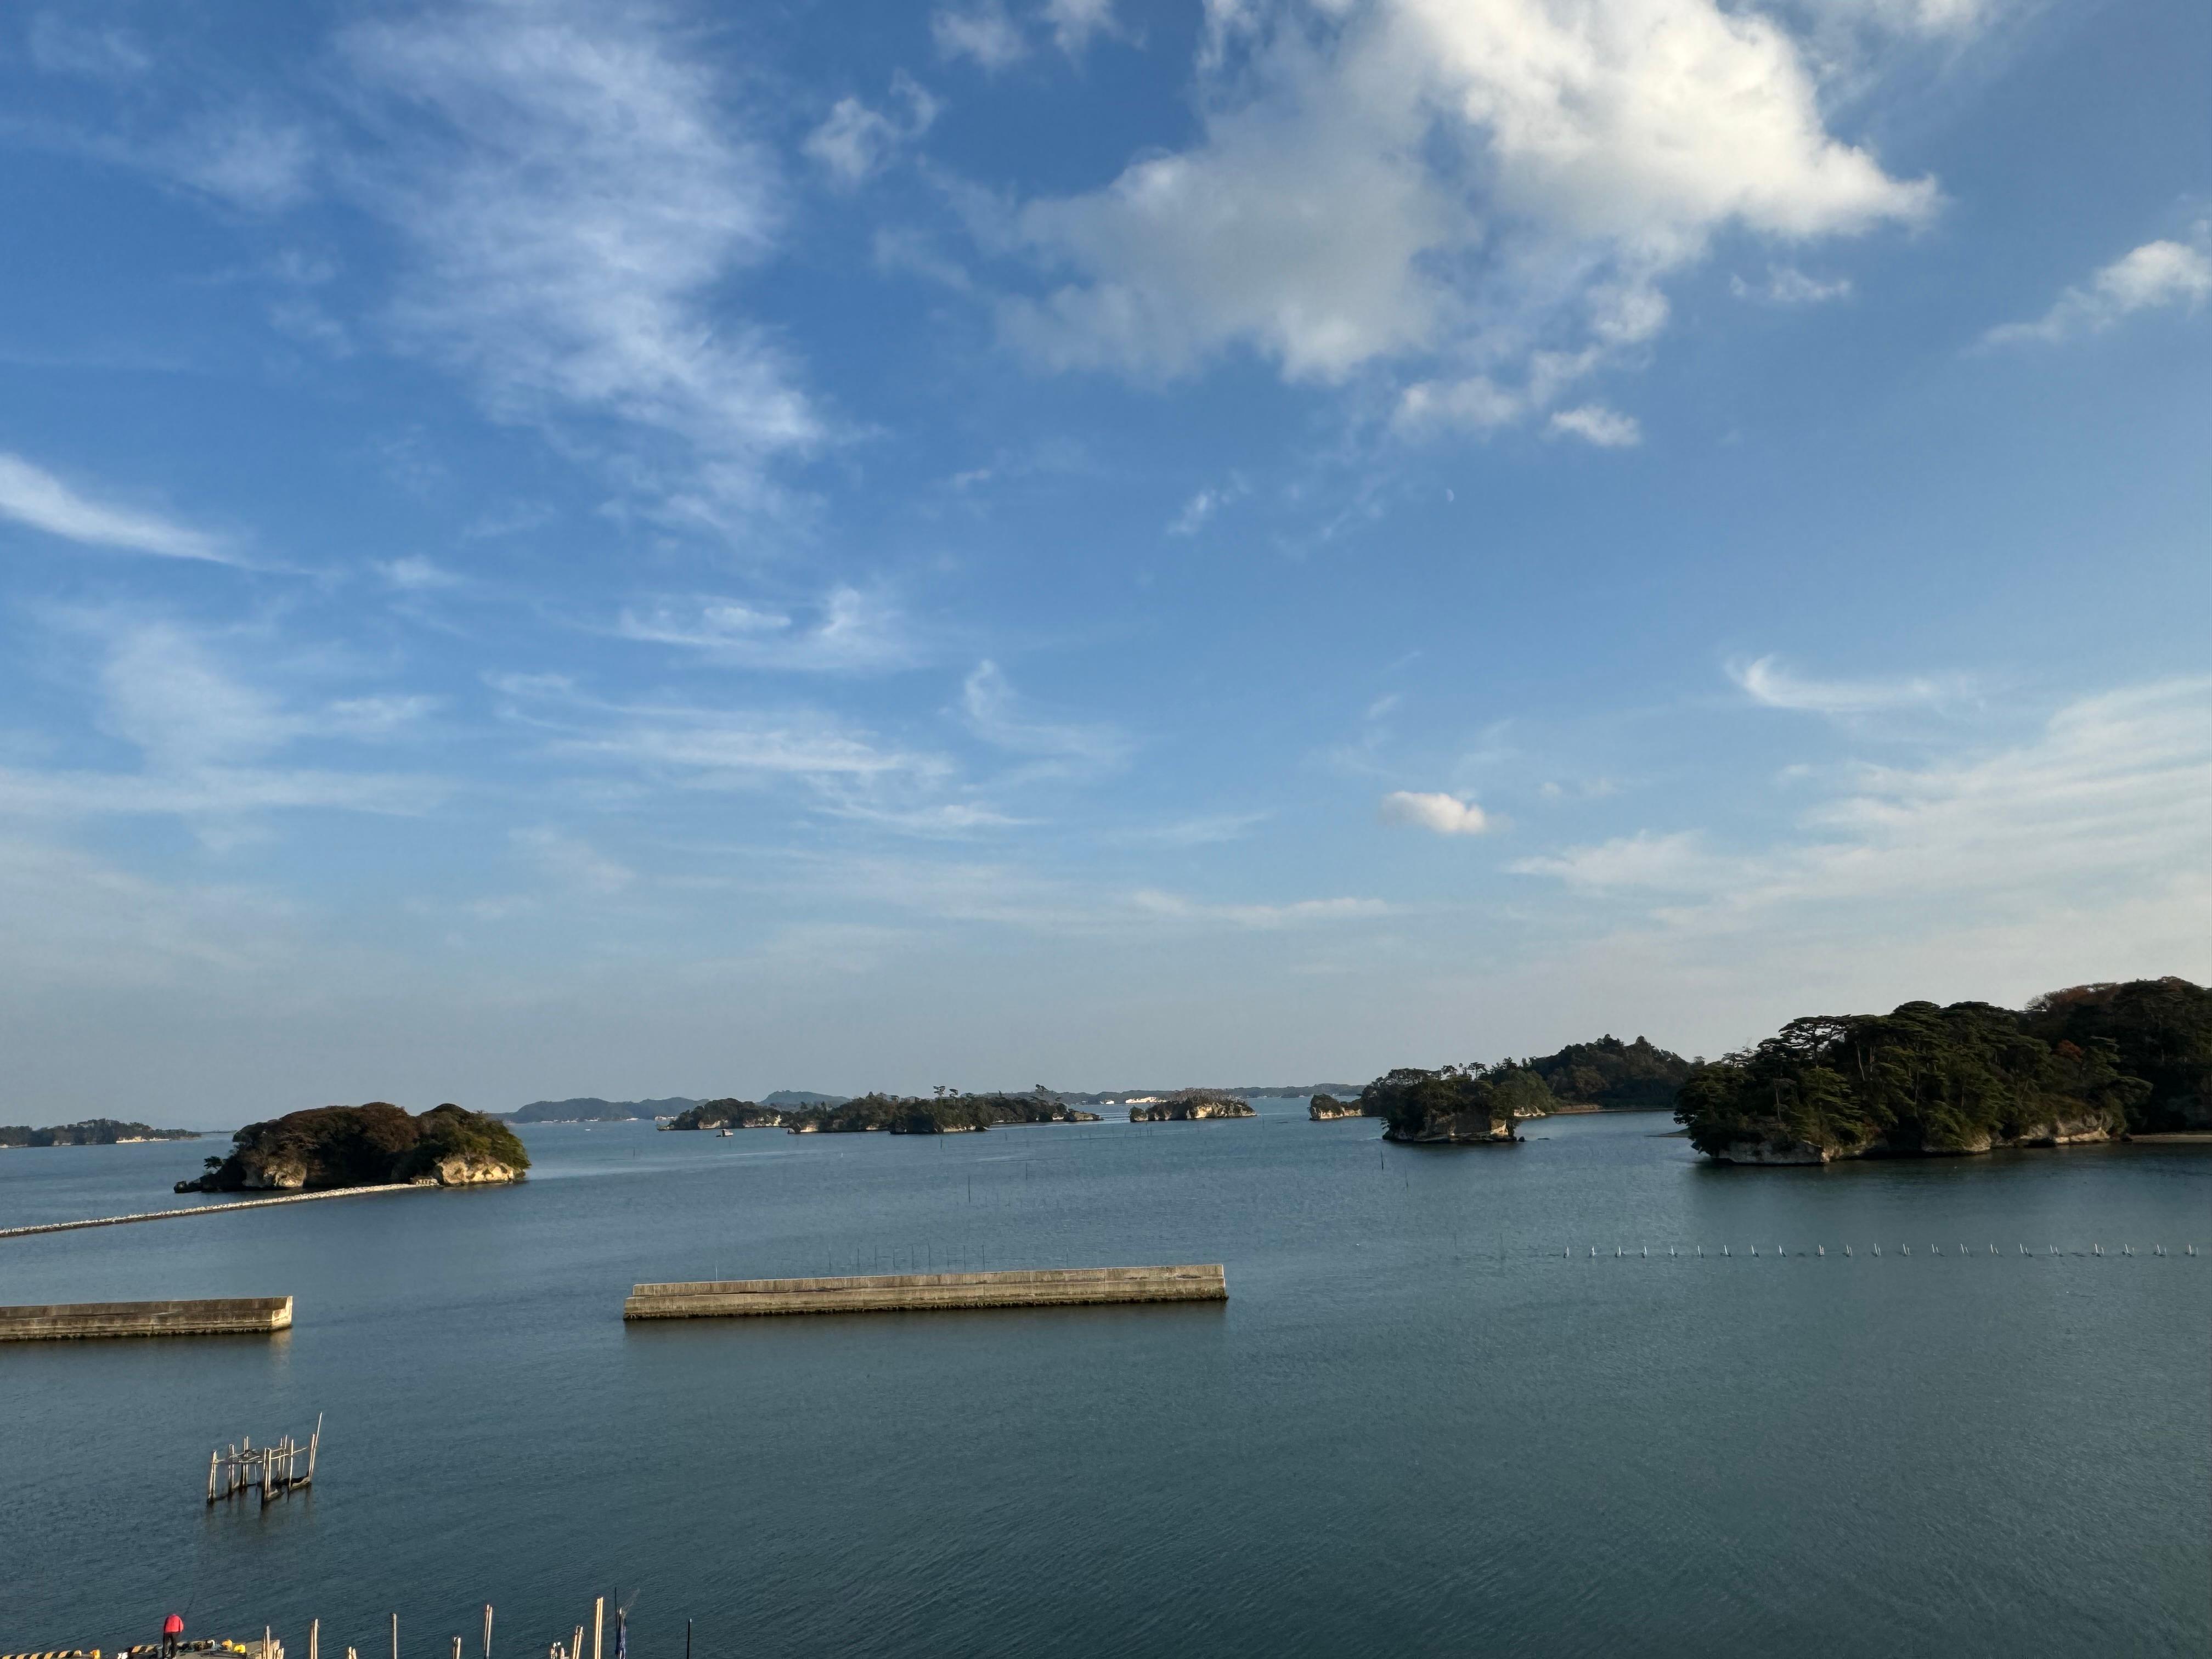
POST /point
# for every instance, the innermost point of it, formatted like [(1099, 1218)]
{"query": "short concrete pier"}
[(1036, 1287), (238, 1315)]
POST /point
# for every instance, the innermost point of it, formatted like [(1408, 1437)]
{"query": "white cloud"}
[(1414, 177), (416, 574), (1075, 22), (576, 204), (853, 632), (1786, 285), (2155, 275), (31, 496), (1477, 404), (983, 33), (1447, 814), (1594, 423), (1205, 504), (1768, 681), (856, 142)]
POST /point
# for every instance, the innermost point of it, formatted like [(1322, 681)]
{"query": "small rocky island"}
[(2092, 1063), (1321, 1109), (1457, 1105), (371, 1145), (93, 1132), (947, 1112), (1188, 1105)]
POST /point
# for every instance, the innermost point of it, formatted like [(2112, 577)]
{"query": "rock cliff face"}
[(1321, 1107), (1188, 1105), (1474, 1129), (2058, 1131)]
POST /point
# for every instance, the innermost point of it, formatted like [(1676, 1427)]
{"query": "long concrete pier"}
[(235, 1315), (1034, 1287), (214, 1209)]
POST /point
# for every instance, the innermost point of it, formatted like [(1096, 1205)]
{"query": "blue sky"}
[(557, 549)]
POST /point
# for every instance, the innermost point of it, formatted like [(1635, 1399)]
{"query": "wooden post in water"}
[(487, 1639), (314, 1441), (395, 1636), (599, 1619), (315, 1640), (214, 1457)]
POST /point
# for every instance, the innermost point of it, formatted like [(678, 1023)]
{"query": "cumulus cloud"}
[(856, 142), (2148, 279), (1769, 682), (31, 496), (575, 201), (1594, 423), (1447, 814), (1411, 177)]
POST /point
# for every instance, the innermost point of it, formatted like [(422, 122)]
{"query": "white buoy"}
[(1877, 1250), (1905, 1250), (1934, 1250), (1647, 1252), (1847, 1249), (1820, 1249), (1724, 1249), (1754, 1250), (1701, 1252)]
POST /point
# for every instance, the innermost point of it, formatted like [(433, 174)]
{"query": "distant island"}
[(590, 1109), (369, 1146), (947, 1112), (1189, 1106), (93, 1132), (2090, 1063)]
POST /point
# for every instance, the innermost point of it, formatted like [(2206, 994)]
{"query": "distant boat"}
[(725, 1132)]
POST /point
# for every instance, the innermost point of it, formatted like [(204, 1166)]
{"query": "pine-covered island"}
[(2090, 1063), (371, 1145)]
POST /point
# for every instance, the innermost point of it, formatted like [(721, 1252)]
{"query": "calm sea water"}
[(1416, 1428)]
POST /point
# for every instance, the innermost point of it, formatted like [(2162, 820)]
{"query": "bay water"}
[(1427, 1420)]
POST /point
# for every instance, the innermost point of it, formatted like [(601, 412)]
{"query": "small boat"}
[(727, 1132)]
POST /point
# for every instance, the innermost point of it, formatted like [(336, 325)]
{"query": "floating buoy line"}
[(2092, 1251)]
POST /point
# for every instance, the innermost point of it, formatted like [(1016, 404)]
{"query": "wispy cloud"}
[(29, 495), (2153, 276), (993, 712), (567, 180), (1298, 913), (705, 747), (851, 632), (211, 745), (573, 862), (2102, 809), (1768, 681), (1201, 508), (1446, 815), (1786, 285), (855, 143)]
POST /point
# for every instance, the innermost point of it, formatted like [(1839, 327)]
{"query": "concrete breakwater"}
[(214, 1209), (1036, 1287), (236, 1315)]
